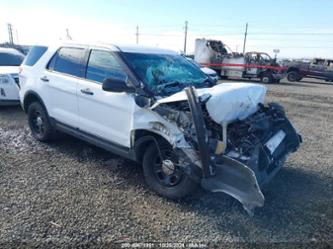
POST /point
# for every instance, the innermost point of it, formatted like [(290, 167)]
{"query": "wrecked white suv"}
[(155, 107)]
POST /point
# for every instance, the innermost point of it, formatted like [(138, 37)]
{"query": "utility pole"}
[(137, 34), (68, 36), (245, 35), (185, 40), (10, 33), (17, 37)]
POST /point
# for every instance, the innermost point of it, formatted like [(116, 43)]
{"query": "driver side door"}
[(104, 115)]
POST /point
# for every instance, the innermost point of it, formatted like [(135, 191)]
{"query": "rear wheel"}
[(293, 76), (163, 175), (39, 123), (266, 77)]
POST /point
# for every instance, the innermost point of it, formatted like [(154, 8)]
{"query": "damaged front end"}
[(234, 152)]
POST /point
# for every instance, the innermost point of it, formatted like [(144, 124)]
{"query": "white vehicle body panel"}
[(9, 70), (104, 114), (9, 90), (59, 95), (202, 53), (208, 71)]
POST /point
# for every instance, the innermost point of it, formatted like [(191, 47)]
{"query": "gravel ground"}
[(71, 193)]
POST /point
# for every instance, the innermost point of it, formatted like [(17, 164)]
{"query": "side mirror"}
[(142, 101), (116, 85)]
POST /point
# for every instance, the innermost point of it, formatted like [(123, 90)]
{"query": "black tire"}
[(294, 76), (266, 78), (173, 186), (39, 123)]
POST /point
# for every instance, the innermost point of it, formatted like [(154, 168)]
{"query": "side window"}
[(68, 61), (34, 55), (101, 65)]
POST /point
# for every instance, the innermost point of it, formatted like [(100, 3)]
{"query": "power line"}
[(293, 33)]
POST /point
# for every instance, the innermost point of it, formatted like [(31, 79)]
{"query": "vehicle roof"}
[(129, 48)]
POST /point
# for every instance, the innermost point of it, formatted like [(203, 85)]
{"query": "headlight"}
[(4, 79)]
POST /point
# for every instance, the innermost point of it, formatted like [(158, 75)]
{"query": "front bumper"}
[(242, 178)]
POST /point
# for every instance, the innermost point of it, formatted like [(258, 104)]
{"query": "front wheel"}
[(163, 175), (293, 76), (39, 123)]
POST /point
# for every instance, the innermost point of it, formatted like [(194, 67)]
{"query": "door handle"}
[(45, 79), (87, 91)]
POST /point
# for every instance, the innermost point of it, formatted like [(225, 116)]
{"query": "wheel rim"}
[(37, 123), (265, 79), (166, 172), (292, 77)]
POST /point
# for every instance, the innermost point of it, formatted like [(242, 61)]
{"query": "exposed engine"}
[(246, 139)]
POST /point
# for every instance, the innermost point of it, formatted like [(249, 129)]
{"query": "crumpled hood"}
[(228, 101)]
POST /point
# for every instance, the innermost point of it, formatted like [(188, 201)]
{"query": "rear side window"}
[(101, 65), (34, 55), (68, 61), (10, 59)]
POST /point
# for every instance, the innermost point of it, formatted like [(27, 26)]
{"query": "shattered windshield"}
[(165, 74)]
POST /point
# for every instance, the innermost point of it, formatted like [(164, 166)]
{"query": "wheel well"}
[(142, 139), (30, 98), (293, 69)]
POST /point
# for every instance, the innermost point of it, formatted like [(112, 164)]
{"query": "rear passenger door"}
[(105, 115), (59, 84)]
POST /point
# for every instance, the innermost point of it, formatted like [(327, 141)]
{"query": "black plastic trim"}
[(201, 130), (9, 102), (99, 142)]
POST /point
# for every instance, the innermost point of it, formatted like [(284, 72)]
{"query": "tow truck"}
[(251, 65)]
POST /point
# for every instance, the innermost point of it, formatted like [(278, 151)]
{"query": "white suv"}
[(10, 60), (155, 107)]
